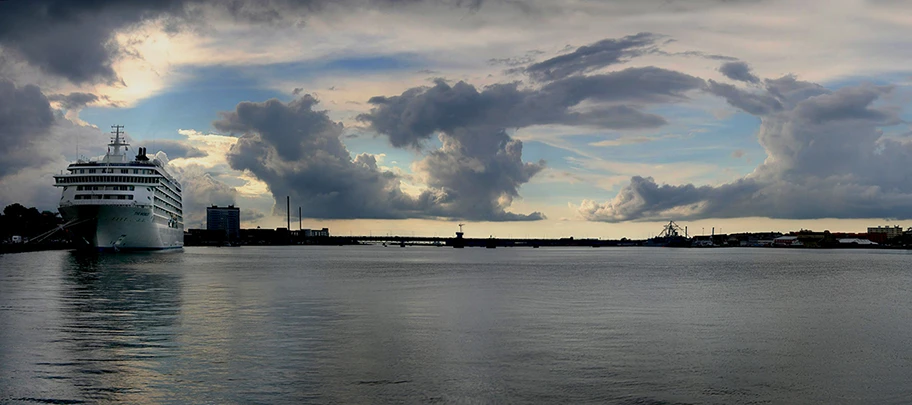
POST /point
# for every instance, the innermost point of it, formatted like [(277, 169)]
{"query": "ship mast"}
[(113, 155)]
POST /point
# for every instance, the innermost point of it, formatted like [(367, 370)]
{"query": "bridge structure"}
[(396, 240)]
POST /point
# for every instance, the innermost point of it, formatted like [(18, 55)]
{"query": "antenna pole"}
[(116, 132)]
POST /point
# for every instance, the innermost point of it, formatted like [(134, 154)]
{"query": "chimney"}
[(288, 212)]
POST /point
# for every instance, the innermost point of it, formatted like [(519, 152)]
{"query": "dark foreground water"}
[(440, 325)]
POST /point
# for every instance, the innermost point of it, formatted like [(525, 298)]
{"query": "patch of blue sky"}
[(898, 78), (561, 187), (555, 157), (693, 133), (192, 104), (304, 70), (195, 102), (367, 143)]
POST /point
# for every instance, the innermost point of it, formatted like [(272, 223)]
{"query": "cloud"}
[(826, 158), (76, 40), (479, 169), (297, 151), (414, 116), (200, 190), (36, 140), (73, 101), (477, 173), (178, 149), (592, 57), (25, 118), (739, 71), (73, 40), (750, 102), (251, 215)]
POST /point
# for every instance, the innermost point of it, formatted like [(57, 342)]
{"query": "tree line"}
[(26, 222)]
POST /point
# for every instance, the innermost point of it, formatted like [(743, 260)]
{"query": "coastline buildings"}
[(225, 219), (881, 234)]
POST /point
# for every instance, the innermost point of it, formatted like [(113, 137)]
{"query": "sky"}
[(584, 118)]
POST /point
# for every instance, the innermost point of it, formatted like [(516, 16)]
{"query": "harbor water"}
[(353, 325)]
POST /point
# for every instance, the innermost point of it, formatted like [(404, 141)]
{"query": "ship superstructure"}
[(122, 203), (672, 235)]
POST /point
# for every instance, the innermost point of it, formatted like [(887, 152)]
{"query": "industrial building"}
[(225, 219), (889, 231)]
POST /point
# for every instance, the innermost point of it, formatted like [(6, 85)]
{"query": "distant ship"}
[(118, 203), (671, 236)]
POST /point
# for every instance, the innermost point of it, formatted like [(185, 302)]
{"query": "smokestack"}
[(288, 212)]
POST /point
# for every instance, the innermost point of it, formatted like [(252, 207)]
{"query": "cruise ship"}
[(119, 203)]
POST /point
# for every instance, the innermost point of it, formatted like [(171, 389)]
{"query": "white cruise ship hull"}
[(120, 227)]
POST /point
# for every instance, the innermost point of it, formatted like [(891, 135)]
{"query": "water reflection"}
[(116, 325), (297, 325)]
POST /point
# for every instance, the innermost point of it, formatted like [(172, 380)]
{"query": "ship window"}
[(123, 170), (130, 197), (91, 170), (135, 171)]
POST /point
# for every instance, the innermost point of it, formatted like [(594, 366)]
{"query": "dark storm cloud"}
[(592, 57), (177, 149), (25, 119), (296, 150), (73, 101), (739, 71), (480, 167), (751, 102), (477, 173), (75, 39), (415, 115), (643, 199), (826, 158)]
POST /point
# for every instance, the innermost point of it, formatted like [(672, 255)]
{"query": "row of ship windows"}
[(103, 197), (160, 193), (170, 186), (166, 213), (111, 179), (172, 206), (105, 170), (96, 188)]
